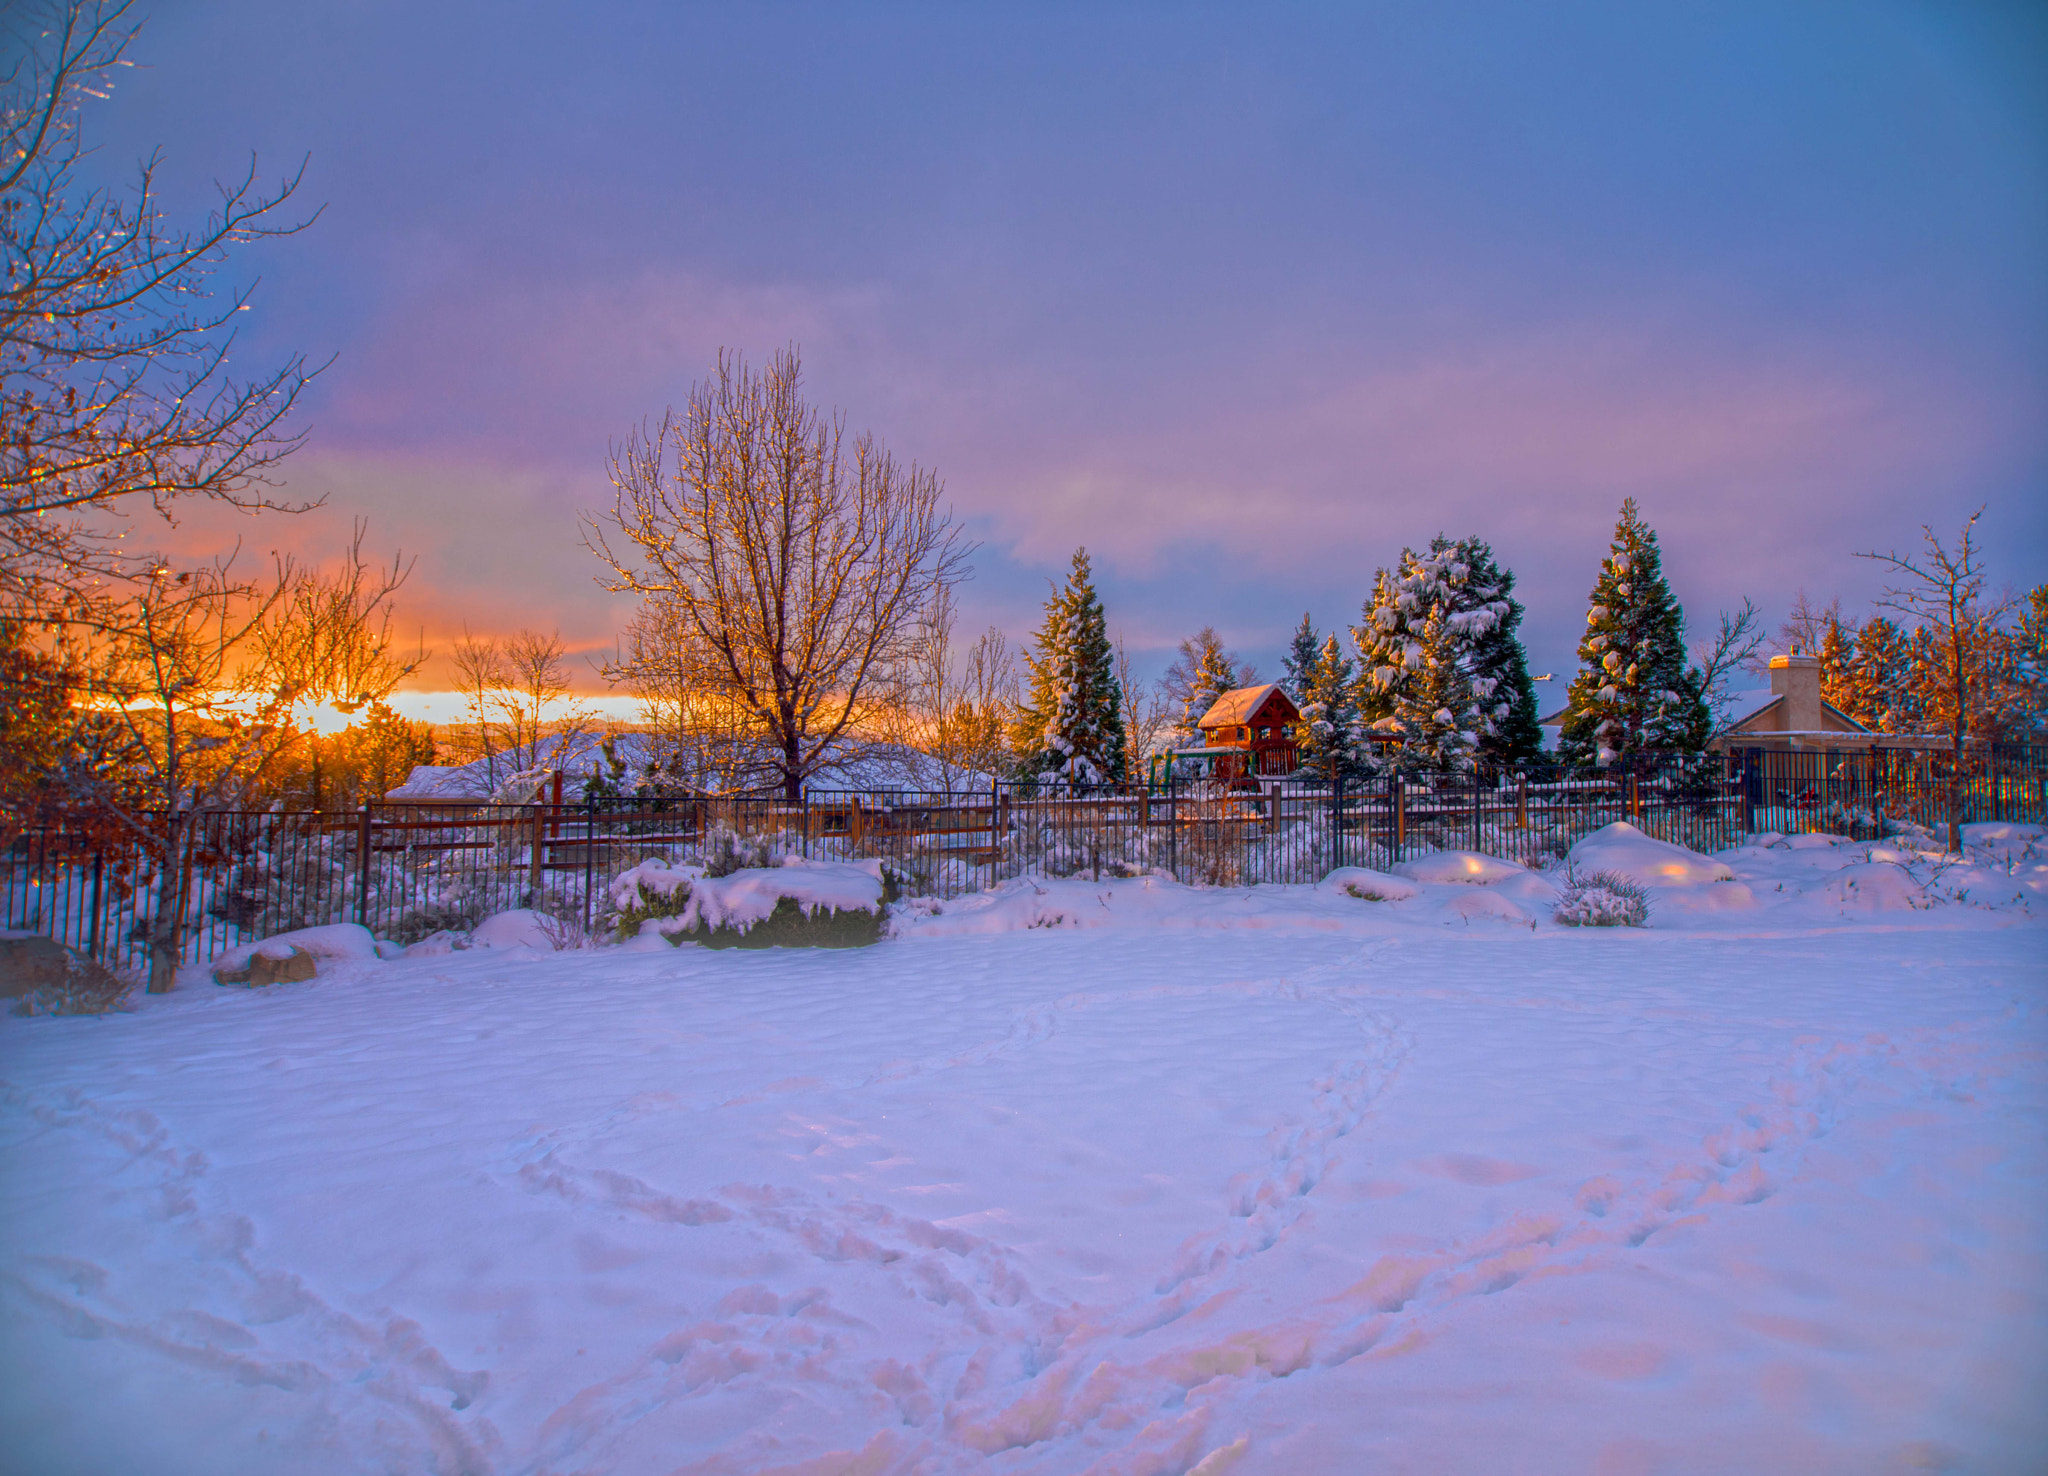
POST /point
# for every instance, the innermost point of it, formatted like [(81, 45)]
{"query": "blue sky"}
[(1242, 297)]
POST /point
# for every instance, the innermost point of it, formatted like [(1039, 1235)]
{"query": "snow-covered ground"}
[(1076, 1177)]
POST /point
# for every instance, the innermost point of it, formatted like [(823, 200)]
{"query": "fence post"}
[(803, 813), (1337, 818), (1400, 796), (1522, 801), (589, 855), (1173, 822), (536, 861), (92, 947), (363, 866)]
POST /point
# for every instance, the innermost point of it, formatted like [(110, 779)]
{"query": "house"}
[(1790, 713), (1260, 723)]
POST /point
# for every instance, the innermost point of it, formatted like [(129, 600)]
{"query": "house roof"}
[(1242, 704)]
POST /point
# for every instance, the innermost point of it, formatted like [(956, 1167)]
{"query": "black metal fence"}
[(408, 871)]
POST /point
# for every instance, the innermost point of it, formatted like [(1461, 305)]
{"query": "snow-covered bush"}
[(1601, 899), (653, 889), (800, 904), (726, 850)]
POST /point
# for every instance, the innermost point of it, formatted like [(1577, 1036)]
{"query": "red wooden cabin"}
[(1261, 721)]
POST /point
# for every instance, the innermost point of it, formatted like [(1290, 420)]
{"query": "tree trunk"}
[(1955, 771), (166, 929)]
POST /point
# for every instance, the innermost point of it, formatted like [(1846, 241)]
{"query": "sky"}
[(1242, 298)]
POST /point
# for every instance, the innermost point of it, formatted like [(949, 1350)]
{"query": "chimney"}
[(1796, 678)]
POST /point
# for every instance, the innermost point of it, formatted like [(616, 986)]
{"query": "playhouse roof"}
[(1242, 704)]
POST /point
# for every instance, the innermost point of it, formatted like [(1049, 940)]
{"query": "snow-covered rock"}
[(1371, 886), (1648, 862), (337, 943), (1876, 886), (1473, 868), (518, 927)]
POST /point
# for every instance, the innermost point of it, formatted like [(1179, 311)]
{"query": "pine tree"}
[(1634, 692), (1303, 652), (1836, 652), (1072, 728), (1417, 648), (1881, 692), (1203, 671), (1331, 740), (1511, 732)]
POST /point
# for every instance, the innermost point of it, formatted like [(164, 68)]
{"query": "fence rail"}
[(406, 871)]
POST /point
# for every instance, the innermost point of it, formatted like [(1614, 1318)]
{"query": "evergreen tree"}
[(1634, 692), (1203, 671), (1417, 648), (1303, 652), (1380, 653), (1331, 740), (1072, 727), (1511, 733)]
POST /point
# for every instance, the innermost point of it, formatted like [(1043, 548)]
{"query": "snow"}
[(517, 927), (1458, 866), (332, 943), (1075, 1175), (1370, 885), (748, 896), (1648, 862)]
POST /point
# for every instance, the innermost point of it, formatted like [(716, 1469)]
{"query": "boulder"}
[(266, 966), (43, 976), (334, 943)]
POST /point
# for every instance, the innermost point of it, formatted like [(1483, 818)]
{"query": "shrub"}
[(653, 889), (1601, 899)]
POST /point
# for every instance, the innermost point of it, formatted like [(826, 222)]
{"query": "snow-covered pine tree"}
[(1203, 671), (1881, 692), (1331, 739), (1634, 692), (1072, 728), (1299, 665), (1381, 644), (1513, 733), (1416, 649)]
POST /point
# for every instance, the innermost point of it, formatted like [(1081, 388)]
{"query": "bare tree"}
[(703, 743), (516, 690), (1941, 589), (176, 686), (115, 388), (329, 639), (953, 704), (1738, 639), (1148, 713), (479, 664), (798, 568), (1807, 624)]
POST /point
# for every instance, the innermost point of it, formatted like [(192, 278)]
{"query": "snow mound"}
[(1648, 862), (336, 943), (1472, 867), (1371, 886), (2006, 838), (516, 928), (1479, 905), (1876, 886)]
